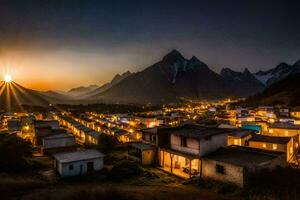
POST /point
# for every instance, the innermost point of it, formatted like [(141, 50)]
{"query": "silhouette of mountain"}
[(278, 73), (285, 91), (175, 78), (13, 95), (117, 78), (81, 90), (56, 97), (244, 82)]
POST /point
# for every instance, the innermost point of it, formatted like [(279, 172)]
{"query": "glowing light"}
[(7, 78)]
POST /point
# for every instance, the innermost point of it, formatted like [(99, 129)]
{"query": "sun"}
[(7, 78)]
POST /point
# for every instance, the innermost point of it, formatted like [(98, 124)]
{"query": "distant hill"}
[(78, 91), (175, 78), (285, 91), (56, 97), (13, 95), (117, 78)]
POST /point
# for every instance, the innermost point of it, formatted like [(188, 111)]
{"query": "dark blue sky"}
[(96, 39)]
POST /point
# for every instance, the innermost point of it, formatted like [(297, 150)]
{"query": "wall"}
[(58, 142), (283, 132), (268, 146), (63, 168), (233, 174), (148, 157), (212, 144), (192, 145)]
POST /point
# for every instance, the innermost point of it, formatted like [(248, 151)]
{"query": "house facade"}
[(288, 145), (235, 164), (77, 163), (188, 144)]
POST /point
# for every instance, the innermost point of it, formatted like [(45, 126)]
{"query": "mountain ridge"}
[(172, 78)]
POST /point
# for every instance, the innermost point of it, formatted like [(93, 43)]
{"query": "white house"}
[(76, 163)]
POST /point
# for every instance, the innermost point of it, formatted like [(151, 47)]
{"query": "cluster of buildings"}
[(51, 138), (243, 142), (197, 151)]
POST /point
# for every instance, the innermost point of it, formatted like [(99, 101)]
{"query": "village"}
[(209, 141)]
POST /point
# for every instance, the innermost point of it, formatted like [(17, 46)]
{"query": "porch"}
[(180, 164)]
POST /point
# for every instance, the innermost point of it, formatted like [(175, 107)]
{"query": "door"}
[(80, 170), (90, 167)]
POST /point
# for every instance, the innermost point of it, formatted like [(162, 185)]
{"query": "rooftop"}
[(197, 131), (284, 125), (243, 156), (270, 139), (142, 146), (241, 133), (60, 135), (74, 156)]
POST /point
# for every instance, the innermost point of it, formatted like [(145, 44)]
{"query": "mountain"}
[(245, 80), (13, 95), (175, 78), (56, 96), (117, 78), (278, 73), (81, 90), (285, 91)]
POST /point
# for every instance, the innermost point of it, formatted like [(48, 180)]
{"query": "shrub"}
[(124, 170), (281, 183), (14, 153), (106, 143)]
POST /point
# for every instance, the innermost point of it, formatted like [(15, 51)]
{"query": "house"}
[(155, 136), (188, 143), (58, 142), (284, 112), (144, 154), (288, 145), (235, 164), (54, 124), (13, 124), (39, 134), (295, 113), (146, 151), (239, 138), (284, 130), (266, 112), (76, 163)]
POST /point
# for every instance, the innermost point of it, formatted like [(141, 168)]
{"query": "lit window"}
[(274, 146), (236, 141), (264, 145), (291, 150), (270, 130), (286, 133)]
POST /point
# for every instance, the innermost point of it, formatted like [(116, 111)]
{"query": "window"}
[(264, 145), (183, 141), (236, 141), (71, 167), (153, 138), (270, 130), (286, 133), (274, 146), (220, 169), (291, 150)]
